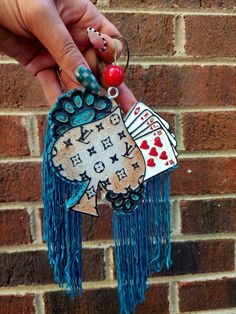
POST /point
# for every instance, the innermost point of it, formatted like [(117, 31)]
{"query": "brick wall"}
[(182, 64)]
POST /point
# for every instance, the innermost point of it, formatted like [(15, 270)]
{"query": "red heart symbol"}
[(151, 162), (158, 142), (144, 144), (163, 155), (136, 111), (167, 163), (153, 152)]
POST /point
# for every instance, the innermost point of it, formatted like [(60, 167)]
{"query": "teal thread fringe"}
[(142, 243), (62, 228)]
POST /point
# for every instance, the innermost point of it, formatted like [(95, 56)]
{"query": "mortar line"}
[(38, 204), (204, 197), (39, 304), (23, 289), (32, 132), (235, 255), (179, 131), (173, 297), (38, 227), (21, 112), (178, 61), (179, 38), (172, 11), (110, 243), (20, 205), (231, 310), (109, 263), (180, 109), (174, 60), (175, 219)]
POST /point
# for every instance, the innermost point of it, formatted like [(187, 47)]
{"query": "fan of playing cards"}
[(151, 134)]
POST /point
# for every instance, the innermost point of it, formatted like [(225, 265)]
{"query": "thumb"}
[(47, 26)]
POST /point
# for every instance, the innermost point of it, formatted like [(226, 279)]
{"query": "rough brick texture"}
[(201, 257), (208, 216), (214, 294), (30, 268), (209, 130), (104, 301), (204, 176), (185, 86), (17, 304), (15, 227), (138, 27), (20, 182), (18, 89), (13, 136), (218, 42)]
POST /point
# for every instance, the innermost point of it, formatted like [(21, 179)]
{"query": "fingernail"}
[(96, 39), (85, 77)]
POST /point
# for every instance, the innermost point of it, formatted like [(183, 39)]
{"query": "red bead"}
[(114, 75)]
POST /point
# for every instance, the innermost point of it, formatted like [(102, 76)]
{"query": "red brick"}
[(19, 89), (156, 300), (17, 304), (42, 125), (209, 130), (98, 228), (204, 176), (183, 86), (20, 182), (103, 301), (13, 136), (173, 4), (208, 216), (206, 295), (15, 227), (193, 257), (214, 36), (146, 34), (30, 268)]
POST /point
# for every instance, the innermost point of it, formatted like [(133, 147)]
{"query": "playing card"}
[(140, 119), (149, 125), (133, 113), (157, 152), (143, 117), (138, 109)]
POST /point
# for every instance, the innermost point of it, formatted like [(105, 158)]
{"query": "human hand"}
[(42, 34)]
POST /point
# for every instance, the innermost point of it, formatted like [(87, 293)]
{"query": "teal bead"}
[(69, 107), (61, 117), (128, 204), (89, 99), (100, 105), (82, 117), (135, 197), (118, 202), (78, 101)]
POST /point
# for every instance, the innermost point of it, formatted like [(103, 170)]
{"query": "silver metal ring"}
[(112, 92)]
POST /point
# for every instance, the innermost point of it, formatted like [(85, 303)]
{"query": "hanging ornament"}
[(89, 145)]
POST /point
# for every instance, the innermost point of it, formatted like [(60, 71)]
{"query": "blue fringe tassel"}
[(142, 237), (142, 242), (62, 228)]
